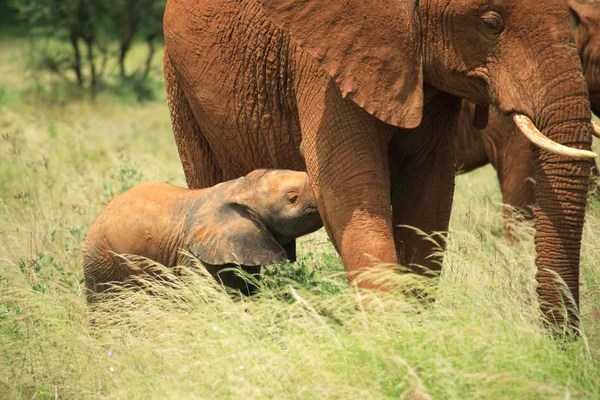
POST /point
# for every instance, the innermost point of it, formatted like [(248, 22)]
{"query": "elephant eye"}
[(493, 22), (291, 197)]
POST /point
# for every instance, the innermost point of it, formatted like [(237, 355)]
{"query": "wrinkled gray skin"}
[(246, 222)]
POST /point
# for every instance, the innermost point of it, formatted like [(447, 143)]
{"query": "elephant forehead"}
[(279, 182)]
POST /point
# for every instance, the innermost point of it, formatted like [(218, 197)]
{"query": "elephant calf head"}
[(249, 220)]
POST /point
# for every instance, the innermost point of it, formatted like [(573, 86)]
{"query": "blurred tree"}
[(8, 15), (134, 17), (90, 28)]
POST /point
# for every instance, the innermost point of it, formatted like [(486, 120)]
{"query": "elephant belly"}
[(241, 145), (234, 67)]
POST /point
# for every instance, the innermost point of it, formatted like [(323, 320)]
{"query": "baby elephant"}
[(245, 222)]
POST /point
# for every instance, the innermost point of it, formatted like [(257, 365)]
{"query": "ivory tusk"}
[(596, 130), (532, 133)]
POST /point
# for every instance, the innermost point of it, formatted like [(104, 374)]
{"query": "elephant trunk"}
[(560, 201)]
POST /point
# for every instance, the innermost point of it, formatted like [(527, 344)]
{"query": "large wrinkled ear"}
[(372, 48), (583, 11), (230, 233)]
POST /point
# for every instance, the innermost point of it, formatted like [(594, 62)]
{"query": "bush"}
[(83, 37)]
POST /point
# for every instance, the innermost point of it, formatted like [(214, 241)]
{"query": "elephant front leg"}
[(346, 157), (422, 165), (290, 250), (421, 214), (515, 173)]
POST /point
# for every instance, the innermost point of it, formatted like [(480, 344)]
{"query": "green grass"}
[(304, 336)]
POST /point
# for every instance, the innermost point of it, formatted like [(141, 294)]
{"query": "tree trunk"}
[(77, 54), (129, 22), (93, 76), (123, 49), (151, 50)]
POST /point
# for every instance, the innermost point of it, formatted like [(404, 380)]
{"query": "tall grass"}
[(308, 334)]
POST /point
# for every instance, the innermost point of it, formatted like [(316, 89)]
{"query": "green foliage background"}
[(87, 44)]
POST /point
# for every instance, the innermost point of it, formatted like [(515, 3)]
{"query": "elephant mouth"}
[(312, 217), (310, 211)]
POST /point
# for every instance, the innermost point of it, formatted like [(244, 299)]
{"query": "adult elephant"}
[(372, 90), (501, 144)]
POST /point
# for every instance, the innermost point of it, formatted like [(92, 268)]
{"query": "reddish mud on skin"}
[(502, 145), (245, 221)]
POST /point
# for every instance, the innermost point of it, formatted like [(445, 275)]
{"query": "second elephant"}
[(502, 145)]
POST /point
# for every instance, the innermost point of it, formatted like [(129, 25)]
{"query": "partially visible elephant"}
[(587, 27), (501, 143), (373, 90), (245, 222)]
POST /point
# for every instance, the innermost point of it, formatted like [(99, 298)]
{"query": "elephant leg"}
[(422, 165), (595, 180), (515, 173), (199, 164), (290, 250), (346, 158), (421, 211), (228, 275), (470, 147)]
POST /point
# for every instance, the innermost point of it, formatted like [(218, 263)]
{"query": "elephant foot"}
[(290, 250)]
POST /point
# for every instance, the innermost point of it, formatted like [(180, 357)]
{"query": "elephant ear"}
[(584, 8), (230, 234), (371, 48)]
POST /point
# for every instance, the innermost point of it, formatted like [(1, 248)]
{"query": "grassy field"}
[(304, 336)]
